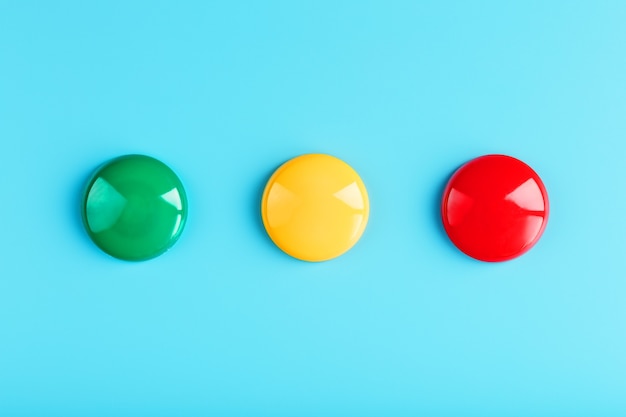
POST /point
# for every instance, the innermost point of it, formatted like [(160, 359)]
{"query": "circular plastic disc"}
[(495, 208), (134, 207), (315, 207)]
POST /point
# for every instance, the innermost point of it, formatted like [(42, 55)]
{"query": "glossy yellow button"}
[(315, 207)]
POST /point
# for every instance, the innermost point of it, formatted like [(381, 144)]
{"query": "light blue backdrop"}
[(227, 325)]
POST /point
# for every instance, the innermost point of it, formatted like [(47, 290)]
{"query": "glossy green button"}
[(134, 207)]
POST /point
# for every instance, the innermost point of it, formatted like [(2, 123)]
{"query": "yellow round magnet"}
[(315, 207)]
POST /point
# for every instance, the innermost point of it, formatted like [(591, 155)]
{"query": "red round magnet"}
[(495, 208)]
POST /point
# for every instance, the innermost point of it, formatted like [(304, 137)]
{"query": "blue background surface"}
[(226, 324)]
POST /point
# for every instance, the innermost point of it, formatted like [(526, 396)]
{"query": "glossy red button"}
[(495, 208)]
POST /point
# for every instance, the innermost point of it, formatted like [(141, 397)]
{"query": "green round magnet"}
[(134, 207)]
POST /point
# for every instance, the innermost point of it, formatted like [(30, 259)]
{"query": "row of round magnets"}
[(315, 207)]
